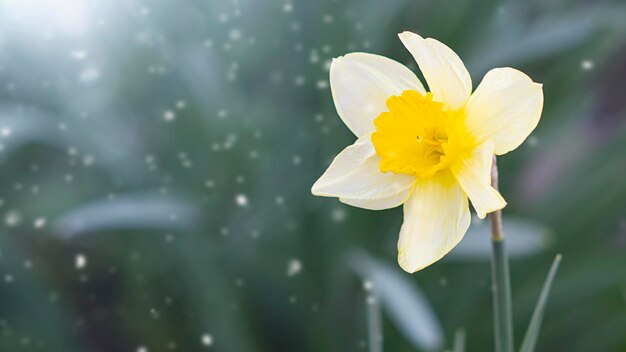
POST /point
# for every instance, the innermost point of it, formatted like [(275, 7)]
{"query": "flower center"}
[(417, 136)]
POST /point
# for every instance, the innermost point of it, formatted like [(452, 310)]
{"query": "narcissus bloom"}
[(430, 151)]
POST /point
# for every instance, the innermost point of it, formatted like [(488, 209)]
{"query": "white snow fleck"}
[(169, 116), (89, 75), (294, 267), (207, 340), (39, 222), (234, 34), (12, 218), (587, 65), (241, 200), (371, 300), (5, 132), (79, 54), (80, 261), (338, 215)]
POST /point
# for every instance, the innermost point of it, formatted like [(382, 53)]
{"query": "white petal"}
[(354, 176), (436, 217), (474, 176), (444, 71), (361, 84), (505, 108)]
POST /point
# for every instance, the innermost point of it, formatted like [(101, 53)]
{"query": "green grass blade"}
[(532, 333), (459, 340)]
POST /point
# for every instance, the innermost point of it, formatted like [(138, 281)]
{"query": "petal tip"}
[(339, 60), (335, 61), (412, 268), (483, 213), (537, 85), (405, 265), (407, 35), (315, 189)]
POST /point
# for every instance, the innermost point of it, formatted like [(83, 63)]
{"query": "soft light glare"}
[(64, 16)]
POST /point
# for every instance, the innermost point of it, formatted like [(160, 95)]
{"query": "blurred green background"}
[(156, 159)]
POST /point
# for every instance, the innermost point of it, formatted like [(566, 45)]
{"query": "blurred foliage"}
[(157, 157)]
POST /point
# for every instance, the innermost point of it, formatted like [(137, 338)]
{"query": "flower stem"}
[(374, 325), (503, 315)]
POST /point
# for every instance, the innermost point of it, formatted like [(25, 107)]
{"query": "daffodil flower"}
[(430, 151)]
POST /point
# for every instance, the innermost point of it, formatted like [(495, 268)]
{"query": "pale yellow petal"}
[(474, 176), (505, 108), (444, 71), (436, 217), (361, 84), (354, 177)]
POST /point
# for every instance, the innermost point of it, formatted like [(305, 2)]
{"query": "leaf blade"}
[(402, 300), (532, 332), (524, 238), (138, 211)]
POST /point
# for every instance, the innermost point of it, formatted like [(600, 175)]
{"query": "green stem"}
[(503, 315), (374, 325)]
